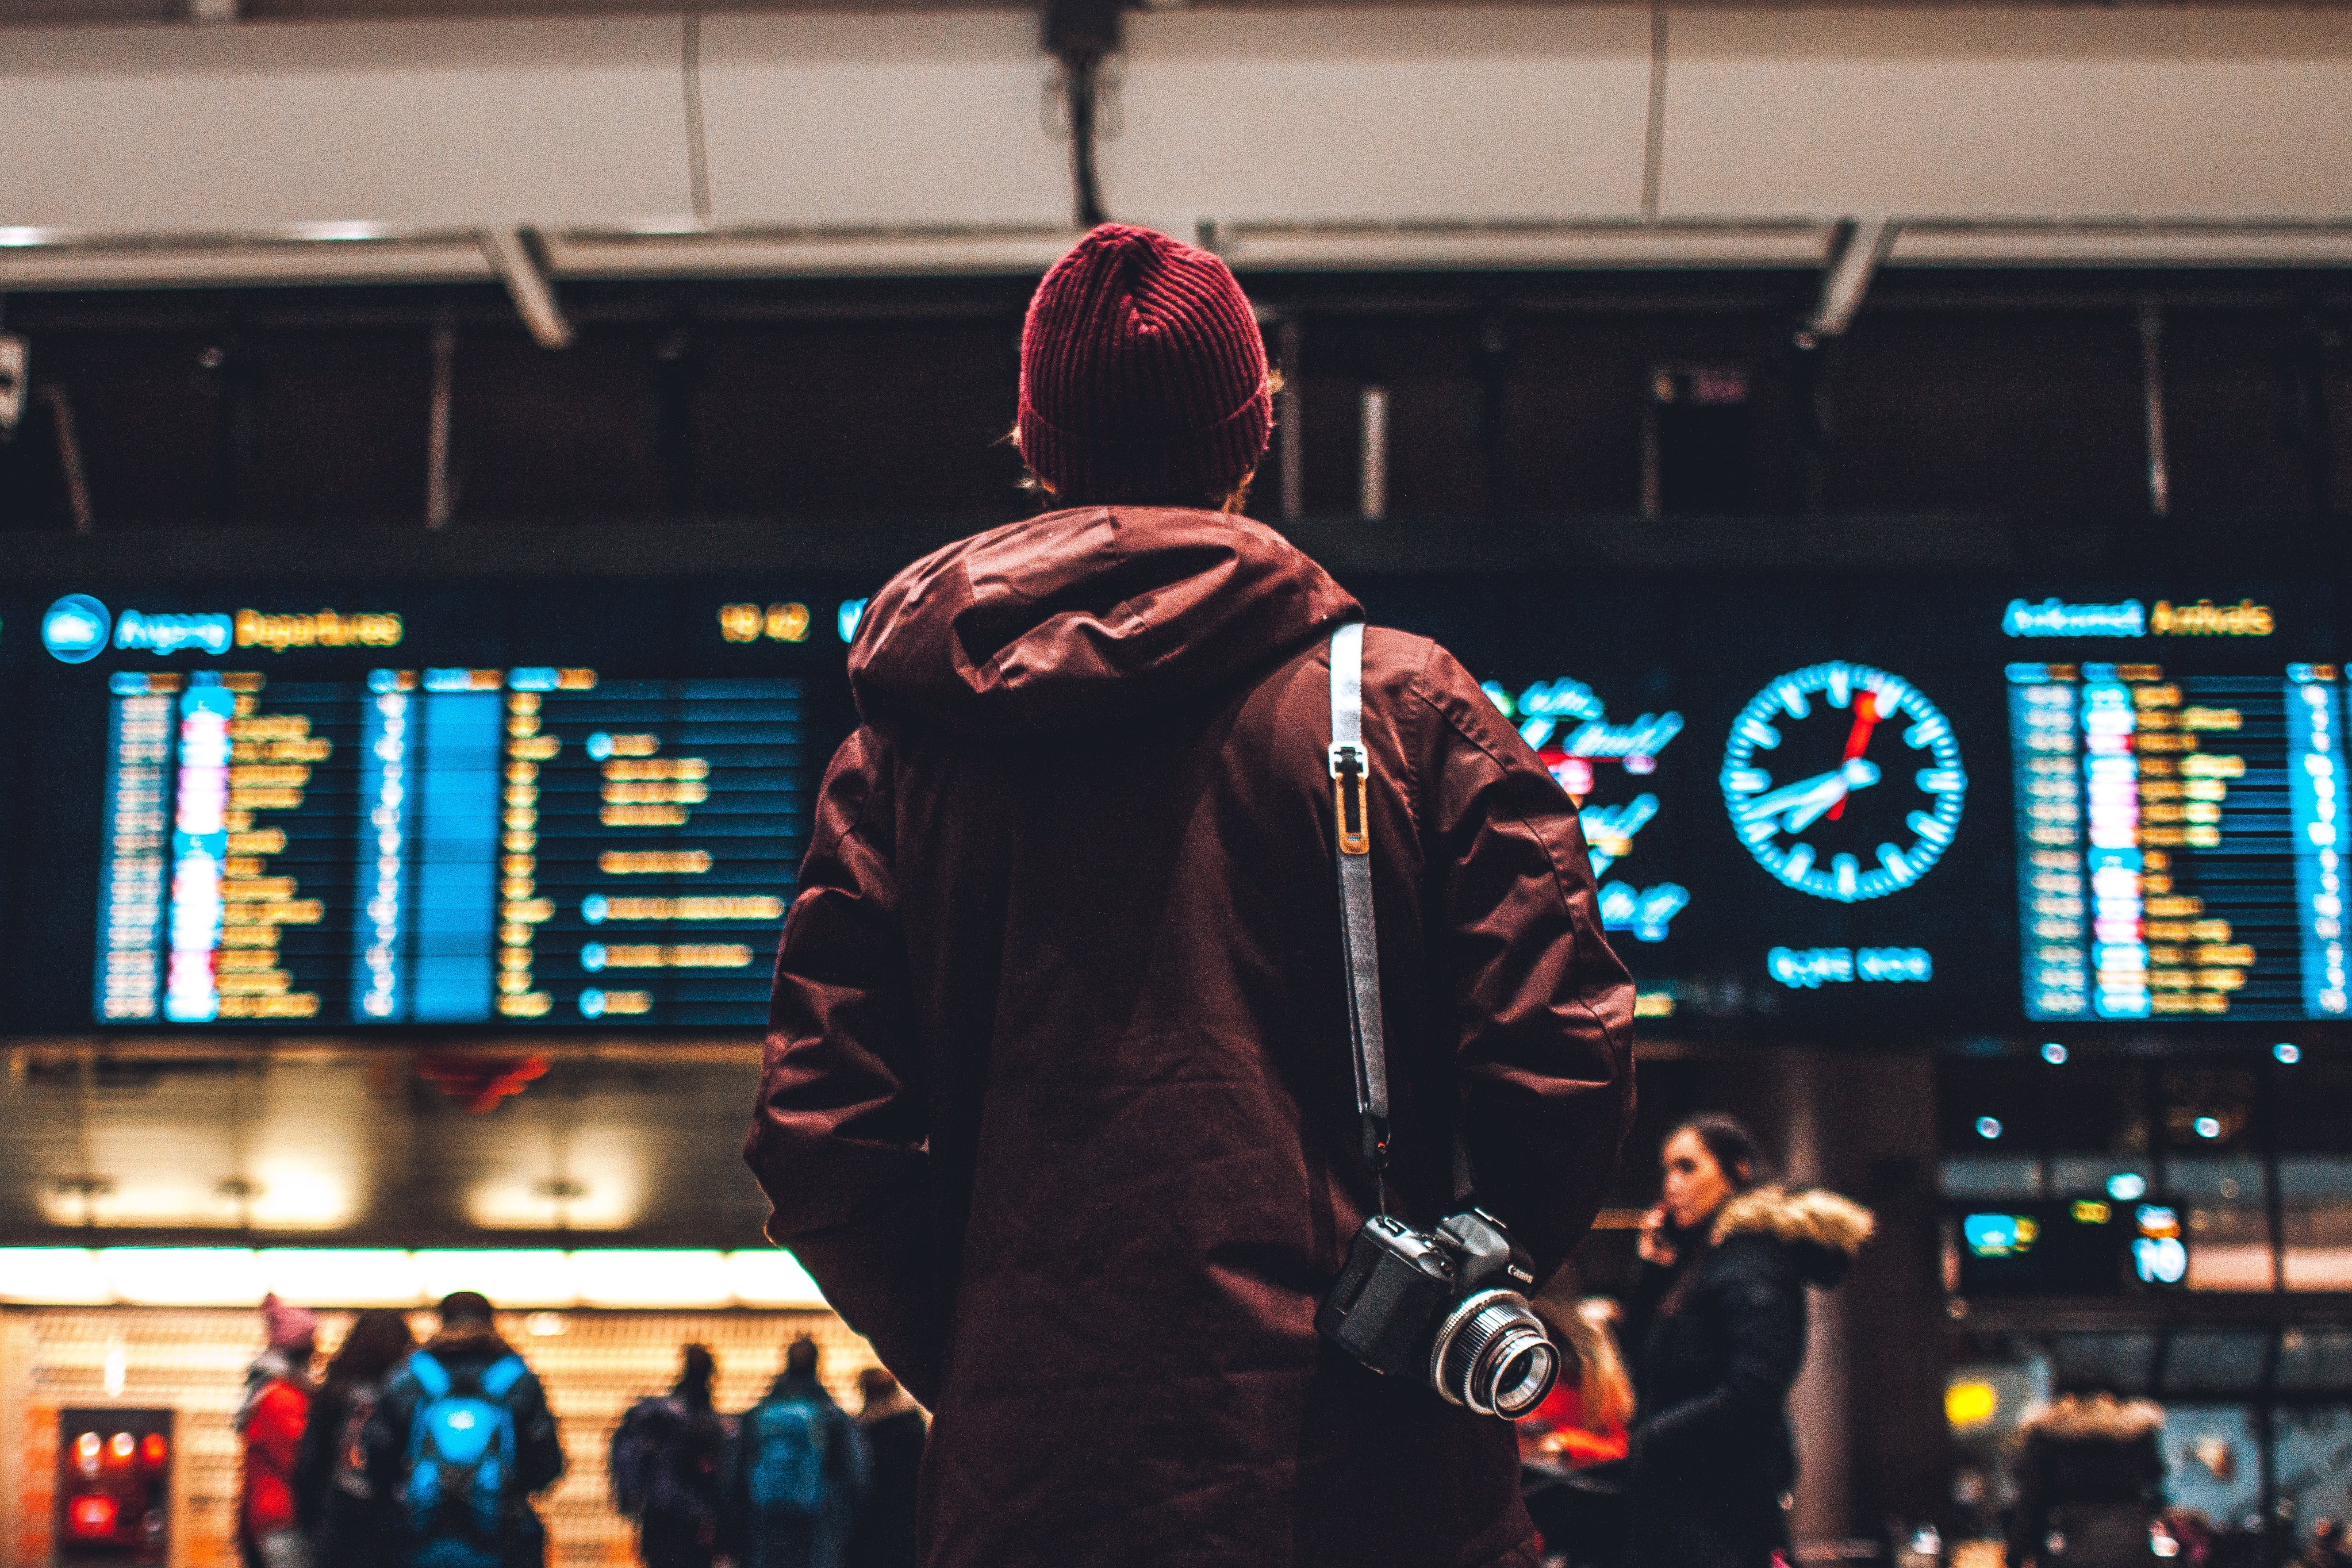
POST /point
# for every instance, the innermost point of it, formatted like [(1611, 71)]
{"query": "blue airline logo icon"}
[(74, 629)]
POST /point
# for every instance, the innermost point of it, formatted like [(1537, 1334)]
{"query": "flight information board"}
[(2179, 840), (445, 846), (1872, 806)]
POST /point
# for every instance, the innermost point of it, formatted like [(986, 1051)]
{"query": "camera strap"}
[(1358, 939), (1351, 768)]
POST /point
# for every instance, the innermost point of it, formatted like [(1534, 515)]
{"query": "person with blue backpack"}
[(799, 1473), (459, 1442)]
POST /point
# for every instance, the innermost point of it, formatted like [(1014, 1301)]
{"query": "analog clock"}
[(1843, 781)]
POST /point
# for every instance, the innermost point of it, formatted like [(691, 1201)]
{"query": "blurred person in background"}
[(2329, 1547), (460, 1441), (1717, 1321), (270, 1420), (332, 1495), (1059, 1104), (1572, 1446), (800, 1472), (894, 1427), (2089, 1474), (667, 1466)]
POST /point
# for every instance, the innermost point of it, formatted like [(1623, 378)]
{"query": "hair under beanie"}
[(288, 1326), (1142, 372)]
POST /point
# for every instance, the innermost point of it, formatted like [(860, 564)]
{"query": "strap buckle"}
[(1348, 771)]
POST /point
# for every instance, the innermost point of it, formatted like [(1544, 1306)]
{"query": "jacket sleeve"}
[(539, 1449), (1759, 1305), (838, 1138), (1544, 1009)]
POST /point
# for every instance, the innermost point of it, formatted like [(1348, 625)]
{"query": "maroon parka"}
[(1059, 1106)]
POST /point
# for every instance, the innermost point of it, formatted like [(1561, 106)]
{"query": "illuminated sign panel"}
[(2179, 840), (447, 847), (1877, 806)]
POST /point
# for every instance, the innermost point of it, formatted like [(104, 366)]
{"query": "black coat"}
[(884, 1536), (1716, 1353), (336, 1505)]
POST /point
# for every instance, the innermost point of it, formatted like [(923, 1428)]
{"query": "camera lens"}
[(1524, 1370), (1492, 1355)]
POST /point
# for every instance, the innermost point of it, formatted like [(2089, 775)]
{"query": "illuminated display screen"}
[(2180, 840), (2085, 1247), (447, 846), (1881, 807), (434, 813)]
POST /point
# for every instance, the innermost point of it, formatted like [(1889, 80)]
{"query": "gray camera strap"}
[(1351, 769), (1359, 940)]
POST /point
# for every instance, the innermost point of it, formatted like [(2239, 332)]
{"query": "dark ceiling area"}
[(2007, 395)]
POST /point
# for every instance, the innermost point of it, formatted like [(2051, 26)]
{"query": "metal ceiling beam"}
[(1856, 249), (511, 255), (328, 254)]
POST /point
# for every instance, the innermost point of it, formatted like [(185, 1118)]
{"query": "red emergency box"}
[(114, 1486)]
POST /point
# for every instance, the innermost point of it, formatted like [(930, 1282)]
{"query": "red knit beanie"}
[(1142, 372)]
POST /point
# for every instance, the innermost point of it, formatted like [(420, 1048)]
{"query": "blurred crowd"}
[(408, 1456), (1665, 1444)]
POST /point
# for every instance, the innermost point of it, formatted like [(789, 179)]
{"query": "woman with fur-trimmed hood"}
[(1718, 1327), (2089, 1470)]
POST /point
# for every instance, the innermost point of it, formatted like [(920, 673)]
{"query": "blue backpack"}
[(787, 1440), (461, 1462)]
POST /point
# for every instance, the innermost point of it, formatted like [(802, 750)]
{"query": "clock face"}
[(1843, 781)]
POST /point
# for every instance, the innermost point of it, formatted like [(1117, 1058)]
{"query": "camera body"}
[(1443, 1305)]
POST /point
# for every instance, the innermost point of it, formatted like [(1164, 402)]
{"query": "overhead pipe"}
[(1372, 474), (1290, 422), (512, 254), (1082, 35), (70, 458), (2151, 384), (439, 499)]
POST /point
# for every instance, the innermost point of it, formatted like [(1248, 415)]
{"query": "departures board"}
[(1875, 806)]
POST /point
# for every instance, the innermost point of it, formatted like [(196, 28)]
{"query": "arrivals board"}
[(1850, 806)]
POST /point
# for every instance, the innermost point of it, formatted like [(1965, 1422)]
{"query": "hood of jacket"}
[(2101, 1418), (1079, 619), (1821, 1231)]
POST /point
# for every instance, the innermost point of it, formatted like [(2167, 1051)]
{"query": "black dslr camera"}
[(1444, 1305)]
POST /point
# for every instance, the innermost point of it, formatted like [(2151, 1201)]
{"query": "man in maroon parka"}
[(1059, 1104)]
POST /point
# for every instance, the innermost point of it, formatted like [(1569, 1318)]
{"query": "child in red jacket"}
[(277, 1406)]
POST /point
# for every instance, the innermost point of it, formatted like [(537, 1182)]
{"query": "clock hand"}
[(1857, 740), (1859, 774), (1804, 802), (1819, 793)]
